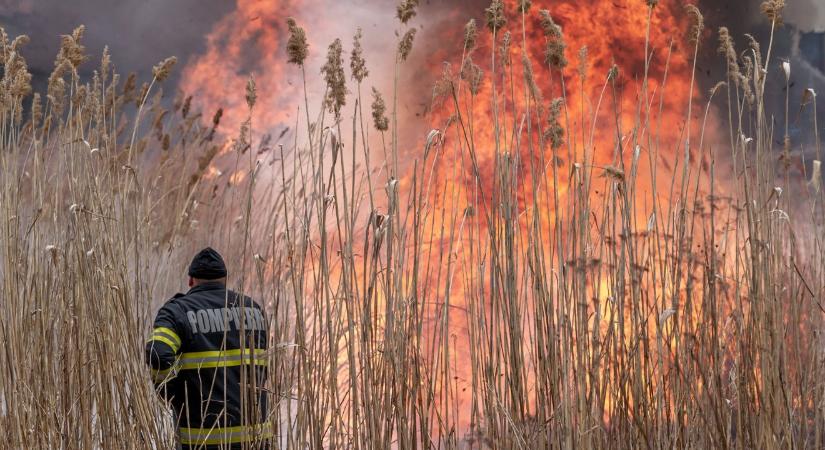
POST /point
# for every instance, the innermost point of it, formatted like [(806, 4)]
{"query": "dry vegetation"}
[(669, 319)]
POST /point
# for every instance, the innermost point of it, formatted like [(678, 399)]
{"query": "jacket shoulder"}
[(174, 299), (171, 313)]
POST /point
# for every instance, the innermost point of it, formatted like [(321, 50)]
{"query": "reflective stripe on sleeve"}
[(168, 332), (228, 435), (225, 358), (167, 336)]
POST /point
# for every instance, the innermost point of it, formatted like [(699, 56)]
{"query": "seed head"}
[(333, 71), (251, 92), (554, 51), (506, 41), (105, 64), (21, 86), (162, 70), (37, 110), (583, 64), (129, 87), (727, 49), (296, 45), (554, 54), (216, 120), (524, 6), (753, 65), (405, 46), (548, 26), (444, 86), (406, 10), (772, 9), (19, 42), (56, 90), (652, 3), (747, 76), (530, 80), (470, 34), (242, 142), (16, 80), (379, 109), (357, 63), (555, 132), (71, 49), (697, 23), (144, 92), (80, 96), (495, 16), (187, 104), (613, 73), (472, 74)]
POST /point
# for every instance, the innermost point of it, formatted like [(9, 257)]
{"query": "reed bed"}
[(406, 311)]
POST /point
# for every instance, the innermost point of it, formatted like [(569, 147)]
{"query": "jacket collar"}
[(208, 286)]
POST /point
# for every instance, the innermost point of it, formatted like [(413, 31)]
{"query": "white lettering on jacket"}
[(220, 320)]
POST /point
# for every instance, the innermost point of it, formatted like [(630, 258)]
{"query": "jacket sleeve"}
[(163, 346)]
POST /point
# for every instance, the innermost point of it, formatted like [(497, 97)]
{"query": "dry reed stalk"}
[(696, 326)]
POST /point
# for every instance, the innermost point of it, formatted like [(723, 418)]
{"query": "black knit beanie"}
[(207, 265)]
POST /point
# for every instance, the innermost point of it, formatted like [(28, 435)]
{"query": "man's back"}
[(208, 355)]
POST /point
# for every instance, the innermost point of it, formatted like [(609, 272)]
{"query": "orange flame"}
[(613, 32), (246, 41)]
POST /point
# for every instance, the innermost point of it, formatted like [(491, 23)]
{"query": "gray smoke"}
[(806, 15), (139, 34)]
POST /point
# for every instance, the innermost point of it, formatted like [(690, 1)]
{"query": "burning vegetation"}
[(586, 250)]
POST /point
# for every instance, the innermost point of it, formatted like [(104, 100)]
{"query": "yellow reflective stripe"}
[(166, 341), (223, 353), (225, 358), (216, 364), (168, 332), (228, 435)]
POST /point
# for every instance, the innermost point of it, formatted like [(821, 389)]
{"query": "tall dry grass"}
[(678, 317)]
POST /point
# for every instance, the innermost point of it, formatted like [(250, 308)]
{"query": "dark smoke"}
[(800, 41), (138, 33), (142, 33)]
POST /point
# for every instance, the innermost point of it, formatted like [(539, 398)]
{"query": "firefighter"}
[(207, 355)]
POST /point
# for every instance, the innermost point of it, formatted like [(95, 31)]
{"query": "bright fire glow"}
[(613, 32)]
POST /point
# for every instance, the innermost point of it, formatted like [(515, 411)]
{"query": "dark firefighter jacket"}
[(208, 358)]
